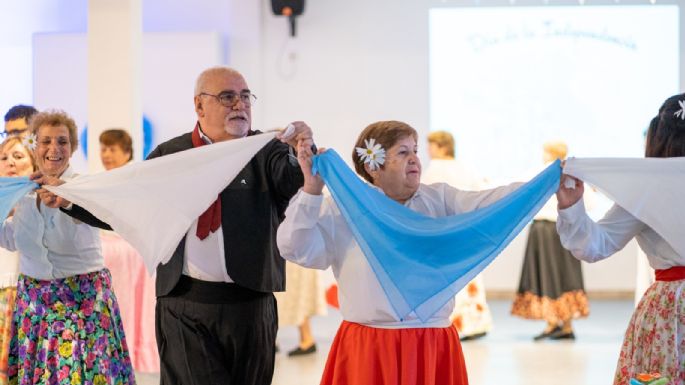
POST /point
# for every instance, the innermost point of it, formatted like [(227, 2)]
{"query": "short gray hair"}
[(209, 73)]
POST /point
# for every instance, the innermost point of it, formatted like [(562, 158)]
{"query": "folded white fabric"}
[(152, 204), (650, 189)]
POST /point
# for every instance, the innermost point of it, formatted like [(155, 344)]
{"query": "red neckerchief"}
[(210, 220)]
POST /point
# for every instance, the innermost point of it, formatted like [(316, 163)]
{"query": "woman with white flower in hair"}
[(655, 338), (66, 326), (373, 344)]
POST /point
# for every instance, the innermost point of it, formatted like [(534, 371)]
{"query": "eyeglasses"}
[(6, 134), (230, 99)]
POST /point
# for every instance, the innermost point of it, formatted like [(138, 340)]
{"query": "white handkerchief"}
[(152, 204), (650, 189)]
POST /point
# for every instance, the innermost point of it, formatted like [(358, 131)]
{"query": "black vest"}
[(252, 207)]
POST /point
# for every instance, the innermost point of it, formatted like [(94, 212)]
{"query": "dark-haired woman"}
[(116, 148), (655, 338)]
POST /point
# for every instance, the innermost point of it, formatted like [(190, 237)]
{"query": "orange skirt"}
[(362, 355)]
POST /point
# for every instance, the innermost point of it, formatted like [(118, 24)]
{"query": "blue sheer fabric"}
[(11, 190), (422, 262)]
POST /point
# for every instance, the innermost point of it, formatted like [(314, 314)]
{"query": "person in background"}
[(116, 148), (551, 284), (17, 120), (471, 315), (303, 298), (15, 160), (134, 288)]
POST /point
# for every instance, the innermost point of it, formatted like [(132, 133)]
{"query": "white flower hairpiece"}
[(681, 112), (373, 154), (29, 141)]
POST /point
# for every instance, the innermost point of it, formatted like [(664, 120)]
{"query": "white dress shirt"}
[(593, 241), (204, 259), (51, 244), (316, 235)]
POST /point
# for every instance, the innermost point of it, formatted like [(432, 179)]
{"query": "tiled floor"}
[(506, 356)]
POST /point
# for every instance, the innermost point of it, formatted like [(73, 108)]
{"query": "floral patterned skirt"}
[(68, 331), (655, 338), (7, 297)]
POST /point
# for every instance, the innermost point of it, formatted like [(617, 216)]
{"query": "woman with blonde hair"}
[(15, 161)]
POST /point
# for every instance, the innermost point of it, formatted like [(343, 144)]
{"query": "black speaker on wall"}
[(289, 8)]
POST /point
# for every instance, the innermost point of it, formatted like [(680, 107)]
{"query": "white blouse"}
[(593, 241), (51, 244), (314, 234)]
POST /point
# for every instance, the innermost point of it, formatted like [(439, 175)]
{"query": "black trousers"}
[(216, 333)]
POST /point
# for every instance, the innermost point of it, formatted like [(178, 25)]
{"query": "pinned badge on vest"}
[(243, 182)]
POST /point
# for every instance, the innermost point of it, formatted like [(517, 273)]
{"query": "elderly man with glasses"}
[(216, 317), (17, 120)]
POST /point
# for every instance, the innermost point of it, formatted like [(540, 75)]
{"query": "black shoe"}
[(472, 337), (562, 335), (544, 335), (301, 352)]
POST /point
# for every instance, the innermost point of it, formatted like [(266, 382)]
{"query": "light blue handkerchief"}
[(11, 190), (422, 262)]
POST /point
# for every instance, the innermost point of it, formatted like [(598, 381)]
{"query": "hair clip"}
[(681, 112)]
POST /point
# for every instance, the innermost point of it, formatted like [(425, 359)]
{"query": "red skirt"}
[(362, 355)]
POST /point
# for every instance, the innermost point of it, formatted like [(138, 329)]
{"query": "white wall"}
[(19, 20), (171, 62), (352, 63)]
